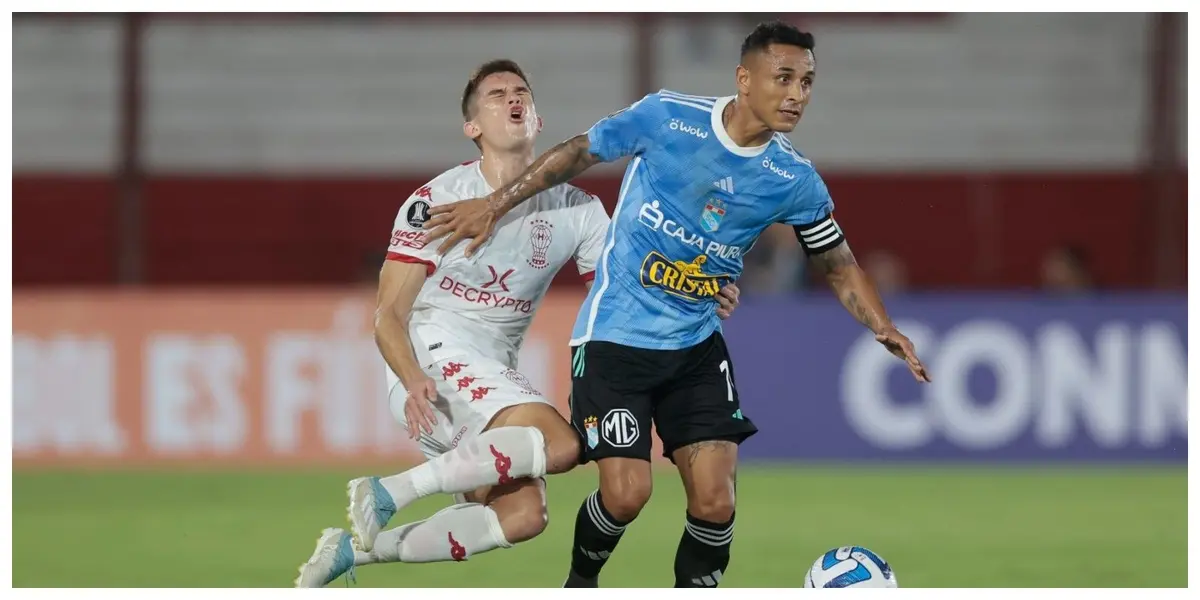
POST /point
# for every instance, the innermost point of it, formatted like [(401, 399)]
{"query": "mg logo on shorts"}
[(620, 428)]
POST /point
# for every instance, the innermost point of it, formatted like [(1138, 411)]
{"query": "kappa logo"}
[(451, 369), (479, 392), (465, 383), (620, 428)]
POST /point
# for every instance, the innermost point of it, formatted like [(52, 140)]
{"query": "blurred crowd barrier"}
[(256, 378), (276, 149)]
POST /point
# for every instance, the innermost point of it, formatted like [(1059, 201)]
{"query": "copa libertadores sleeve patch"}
[(820, 236)]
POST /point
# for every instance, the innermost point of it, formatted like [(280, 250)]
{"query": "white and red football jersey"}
[(484, 304)]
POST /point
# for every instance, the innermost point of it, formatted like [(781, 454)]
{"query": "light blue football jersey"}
[(691, 205)]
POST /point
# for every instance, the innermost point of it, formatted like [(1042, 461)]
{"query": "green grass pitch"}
[(939, 527)]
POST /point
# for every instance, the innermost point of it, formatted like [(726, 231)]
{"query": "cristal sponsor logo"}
[(651, 216), (680, 278), (769, 164), (477, 296), (677, 125)]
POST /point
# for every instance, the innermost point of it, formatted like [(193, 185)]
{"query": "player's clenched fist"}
[(727, 300), (473, 219), (418, 407)]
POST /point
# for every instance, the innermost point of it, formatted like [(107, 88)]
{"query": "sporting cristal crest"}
[(714, 211), (593, 432)]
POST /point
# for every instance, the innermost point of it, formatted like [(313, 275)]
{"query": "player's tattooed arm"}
[(858, 294), (558, 165), (852, 286)]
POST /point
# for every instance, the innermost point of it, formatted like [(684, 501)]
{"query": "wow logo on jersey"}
[(679, 278)]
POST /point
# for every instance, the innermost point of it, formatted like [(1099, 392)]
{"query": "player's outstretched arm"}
[(858, 294), (476, 218), (399, 284), (559, 164)]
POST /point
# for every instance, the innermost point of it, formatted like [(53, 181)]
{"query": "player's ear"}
[(539, 123), (471, 130), (742, 79)]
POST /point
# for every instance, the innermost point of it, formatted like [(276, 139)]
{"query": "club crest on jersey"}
[(714, 211), (540, 238), (593, 432), (680, 278)]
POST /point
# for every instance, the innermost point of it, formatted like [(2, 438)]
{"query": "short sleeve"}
[(628, 131), (408, 234), (593, 223), (811, 215)]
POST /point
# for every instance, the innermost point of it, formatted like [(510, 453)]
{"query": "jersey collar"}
[(723, 136)]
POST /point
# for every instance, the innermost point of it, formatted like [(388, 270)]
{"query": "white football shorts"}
[(471, 391)]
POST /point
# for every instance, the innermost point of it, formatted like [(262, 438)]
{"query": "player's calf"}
[(495, 457), (520, 508), (625, 486), (708, 469), (498, 517)]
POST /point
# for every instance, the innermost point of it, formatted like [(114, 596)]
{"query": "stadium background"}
[(201, 203)]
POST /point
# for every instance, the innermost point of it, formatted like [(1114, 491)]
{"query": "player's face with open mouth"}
[(781, 81), (506, 115)]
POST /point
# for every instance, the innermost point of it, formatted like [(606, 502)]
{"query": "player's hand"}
[(727, 300), (474, 218), (418, 407), (899, 345)]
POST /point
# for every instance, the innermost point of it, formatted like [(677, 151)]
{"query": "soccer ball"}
[(850, 566)]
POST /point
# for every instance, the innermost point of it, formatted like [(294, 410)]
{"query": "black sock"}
[(596, 535), (703, 553)]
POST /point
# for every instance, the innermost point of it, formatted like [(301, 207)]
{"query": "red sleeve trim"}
[(589, 276), (429, 266)]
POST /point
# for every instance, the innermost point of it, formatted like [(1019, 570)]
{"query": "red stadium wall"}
[(959, 230)]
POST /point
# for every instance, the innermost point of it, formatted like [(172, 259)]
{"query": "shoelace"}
[(351, 577)]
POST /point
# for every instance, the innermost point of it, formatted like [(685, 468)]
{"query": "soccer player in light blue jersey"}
[(707, 176)]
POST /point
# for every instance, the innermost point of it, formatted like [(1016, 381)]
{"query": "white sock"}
[(455, 533), (495, 456)]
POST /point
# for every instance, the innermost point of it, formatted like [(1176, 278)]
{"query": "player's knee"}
[(521, 508), (624, 496), (528, 522), (562, 451), (714, 503)]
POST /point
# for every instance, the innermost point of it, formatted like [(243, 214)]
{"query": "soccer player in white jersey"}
[(450, 329), (707, 176)]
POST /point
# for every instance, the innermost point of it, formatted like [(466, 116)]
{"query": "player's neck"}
[(500, 168), (743, 127)]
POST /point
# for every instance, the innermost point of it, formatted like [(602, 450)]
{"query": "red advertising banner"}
[(228, 378)]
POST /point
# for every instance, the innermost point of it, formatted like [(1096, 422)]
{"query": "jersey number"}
[(728, 382)]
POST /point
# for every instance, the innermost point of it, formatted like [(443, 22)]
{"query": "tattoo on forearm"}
[(558, 165), (852, 286), (836, 258), (860, 312)]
